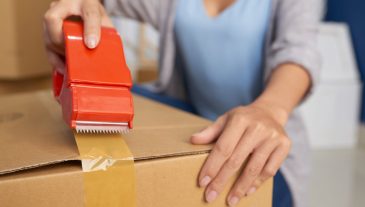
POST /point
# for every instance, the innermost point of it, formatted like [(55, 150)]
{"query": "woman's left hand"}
[(253, 132)]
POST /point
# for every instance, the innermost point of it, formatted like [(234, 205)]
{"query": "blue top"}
[(221, 56)]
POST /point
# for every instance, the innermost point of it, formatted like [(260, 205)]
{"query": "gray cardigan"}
[(291, 38)]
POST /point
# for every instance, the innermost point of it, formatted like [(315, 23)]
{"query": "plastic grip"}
[(57, 83)]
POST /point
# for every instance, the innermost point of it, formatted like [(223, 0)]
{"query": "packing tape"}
[(108, 166)]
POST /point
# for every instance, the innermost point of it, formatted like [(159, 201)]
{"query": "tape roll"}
[(108, 170)]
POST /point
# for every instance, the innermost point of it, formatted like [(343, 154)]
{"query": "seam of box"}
[(49, 164)]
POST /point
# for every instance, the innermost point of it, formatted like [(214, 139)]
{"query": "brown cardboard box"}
[(39, 162), (27, 85), (21, 52), (147, 73)]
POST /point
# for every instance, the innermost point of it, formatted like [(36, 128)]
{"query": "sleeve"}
[(141, 10), (294, 36)]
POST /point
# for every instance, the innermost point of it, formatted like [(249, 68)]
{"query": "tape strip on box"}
[(109, 173)]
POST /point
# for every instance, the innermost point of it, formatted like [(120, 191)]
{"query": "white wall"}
[(332, 113)]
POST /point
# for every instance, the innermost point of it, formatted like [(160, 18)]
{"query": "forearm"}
[(287, 86)]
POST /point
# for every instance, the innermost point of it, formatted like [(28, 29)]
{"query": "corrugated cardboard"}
[(39, 162), (21, 53)]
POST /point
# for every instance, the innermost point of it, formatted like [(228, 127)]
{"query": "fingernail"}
[(251, 191), (91, 41), (233, 201), (211, 196), (205, 181)]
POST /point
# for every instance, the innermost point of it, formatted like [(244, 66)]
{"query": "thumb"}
[(211, 133), (92, 23)]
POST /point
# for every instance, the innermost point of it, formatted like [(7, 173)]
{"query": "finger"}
[(59, 49), (244, 147), (211, 133), (251, 172), (222, 150), (56, 61), (252, 137), (91, 14), (275, 160), (53, 3), (53, 20), (271, 168)]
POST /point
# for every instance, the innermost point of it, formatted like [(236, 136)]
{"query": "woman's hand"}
[(93, 15), (253, 132)]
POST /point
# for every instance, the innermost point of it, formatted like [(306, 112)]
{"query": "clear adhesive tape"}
[(108, 170)]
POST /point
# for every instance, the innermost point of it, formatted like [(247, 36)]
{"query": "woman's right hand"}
[(93, 15)]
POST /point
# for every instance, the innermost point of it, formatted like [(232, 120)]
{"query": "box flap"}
[(32, 132)]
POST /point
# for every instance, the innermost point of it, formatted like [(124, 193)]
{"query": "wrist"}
[(277, 112)]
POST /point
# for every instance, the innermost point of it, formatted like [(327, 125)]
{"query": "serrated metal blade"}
[(101, 127)]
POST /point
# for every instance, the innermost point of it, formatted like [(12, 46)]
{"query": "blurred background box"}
[(331, 114), (21, 52), (146, 73)]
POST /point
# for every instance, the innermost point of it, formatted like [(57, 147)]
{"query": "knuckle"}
[(239, 191), (273, 133), (52, 42), (253, 170), (221, 118), (258, 182), (286, 143), (222, 150), (49, 16), (258, 126), (238, 118), (274, 140), (234, 163), (260, 158), (52, 4), (269, 172), (91, 13), (217, 184)]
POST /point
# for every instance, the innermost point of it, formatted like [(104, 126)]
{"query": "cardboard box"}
[(339, 87), (39, 162), (147, 73), (28, 85), (22, 52)]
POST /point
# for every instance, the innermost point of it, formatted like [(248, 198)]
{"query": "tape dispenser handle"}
[(57, 77)]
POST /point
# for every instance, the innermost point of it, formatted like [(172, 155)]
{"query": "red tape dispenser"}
[(94, 91)]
